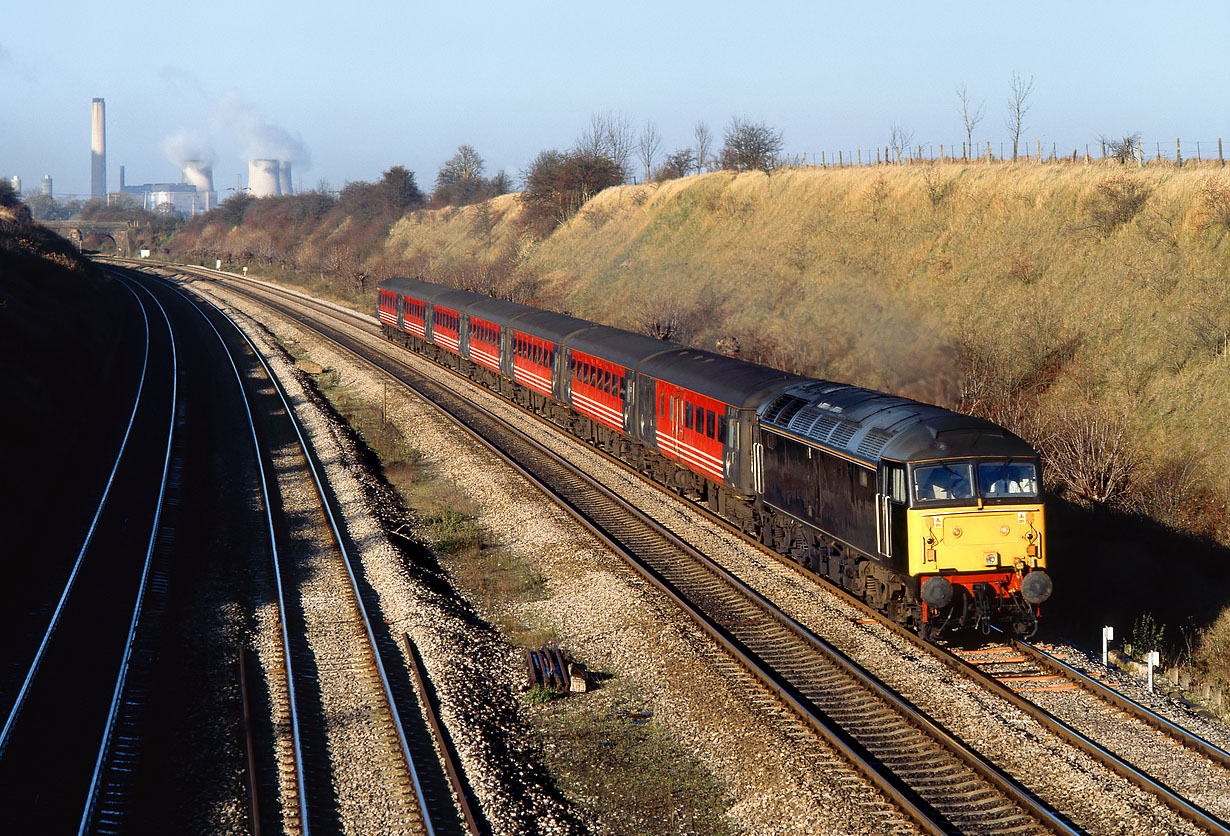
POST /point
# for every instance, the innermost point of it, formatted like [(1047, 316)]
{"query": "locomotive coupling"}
[(937, 592), (1036, 587)]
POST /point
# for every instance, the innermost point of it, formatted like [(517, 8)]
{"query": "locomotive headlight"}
[(1005, 530), (992, 558), (956, 532)]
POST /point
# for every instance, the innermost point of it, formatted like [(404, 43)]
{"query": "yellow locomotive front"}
[(977, 538)]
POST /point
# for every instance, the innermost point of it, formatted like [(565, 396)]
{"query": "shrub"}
[(1179, 493), (1146, 634), (1211, 658), (558, 184), (678, 164), (1215, 204), (1115, 201)]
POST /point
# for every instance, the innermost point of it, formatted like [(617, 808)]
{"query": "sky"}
[(350, 89)]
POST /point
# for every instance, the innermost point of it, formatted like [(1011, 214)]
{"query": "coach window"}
[(710, 424), (687, 415), (721, 431)]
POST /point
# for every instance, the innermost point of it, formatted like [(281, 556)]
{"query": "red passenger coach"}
[(415, 317), (598, 389), (532, 361), (388, 308), (691, 429), (446, 329), (485, 343)]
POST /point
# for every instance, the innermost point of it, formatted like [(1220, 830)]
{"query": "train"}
[(932, 517)]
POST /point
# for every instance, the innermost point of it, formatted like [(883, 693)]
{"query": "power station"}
[(194, 193)]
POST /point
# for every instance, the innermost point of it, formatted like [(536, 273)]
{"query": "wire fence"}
[(1132, 149)]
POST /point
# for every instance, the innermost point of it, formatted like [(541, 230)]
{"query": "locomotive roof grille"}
[(873, 443)]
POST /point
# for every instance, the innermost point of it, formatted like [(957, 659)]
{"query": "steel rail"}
[(300, 779), (1125, 704), (113, 711), (346, 563), (19, 701), (1196, 815)]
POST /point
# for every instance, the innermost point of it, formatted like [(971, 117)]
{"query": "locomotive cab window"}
[(944, 482), (997, 480)]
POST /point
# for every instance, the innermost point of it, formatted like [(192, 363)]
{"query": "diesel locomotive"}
[(933, 517)]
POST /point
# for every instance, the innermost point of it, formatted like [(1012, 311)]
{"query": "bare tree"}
[(899, 139), (1091, 453), (609, 135), (1122, 149), (704, 144), (649, 144), (750, 146), (970, 116), (1018, 107)]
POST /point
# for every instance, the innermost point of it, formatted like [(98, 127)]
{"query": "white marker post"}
[(1154, 658), (1108, 633)]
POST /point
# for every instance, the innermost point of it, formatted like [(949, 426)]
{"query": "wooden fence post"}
[(1140, 154), (860, 156), (1220, 159), (823, 164), (1039, 150), (1178, 153)]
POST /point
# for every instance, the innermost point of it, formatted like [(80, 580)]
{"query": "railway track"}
[(77, 721), (1202, 819), (330, 665), (938, 782)]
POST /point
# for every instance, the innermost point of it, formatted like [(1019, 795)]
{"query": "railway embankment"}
[(61, 323), (1084, 306)]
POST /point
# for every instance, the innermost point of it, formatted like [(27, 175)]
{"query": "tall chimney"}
[(98, 149)]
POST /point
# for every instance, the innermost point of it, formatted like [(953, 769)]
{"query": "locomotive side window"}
[(896, 485)]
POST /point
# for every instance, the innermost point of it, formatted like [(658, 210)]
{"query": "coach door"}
[(892, 516)]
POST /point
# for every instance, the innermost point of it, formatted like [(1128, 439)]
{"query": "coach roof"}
[(625, 348), (735, 382)]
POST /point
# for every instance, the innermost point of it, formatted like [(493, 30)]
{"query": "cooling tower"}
[(284, 181), (98, 149), (263, 178), (199, 174)]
